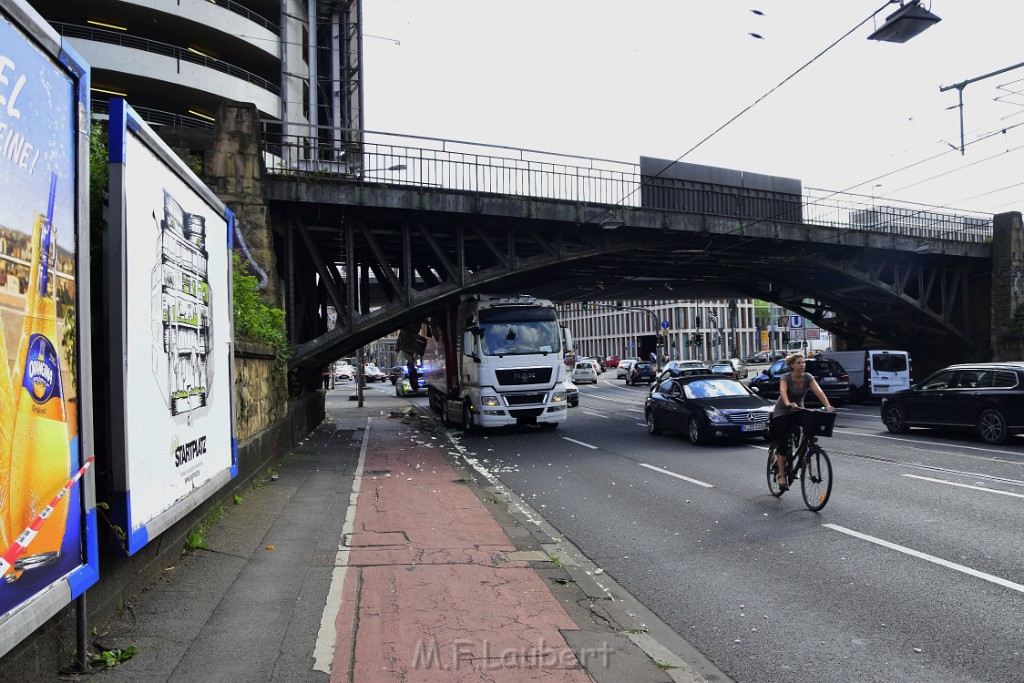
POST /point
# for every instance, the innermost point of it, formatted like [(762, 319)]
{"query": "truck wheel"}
[(467, 420), (446, 419)]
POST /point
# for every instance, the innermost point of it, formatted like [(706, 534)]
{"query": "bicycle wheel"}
[(773, 476), (816, 478)]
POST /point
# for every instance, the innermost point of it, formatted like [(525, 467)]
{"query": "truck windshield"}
[(519, 331)]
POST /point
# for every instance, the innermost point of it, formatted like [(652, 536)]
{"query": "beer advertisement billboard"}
[(47, 500), (173, 444)]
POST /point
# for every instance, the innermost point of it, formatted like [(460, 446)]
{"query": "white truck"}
[(492, 361), (874, 373), (808, 347)]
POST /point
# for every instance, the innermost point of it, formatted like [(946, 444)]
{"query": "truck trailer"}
[(492, 361)]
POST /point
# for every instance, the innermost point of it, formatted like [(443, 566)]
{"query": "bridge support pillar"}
[(1008, 287)]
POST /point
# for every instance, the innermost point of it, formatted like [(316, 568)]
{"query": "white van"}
[(874, 373)]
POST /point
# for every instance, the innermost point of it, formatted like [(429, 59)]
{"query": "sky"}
[(660, 78)]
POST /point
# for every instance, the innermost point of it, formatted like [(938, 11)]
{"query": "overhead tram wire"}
[(750, 106), (879, 177)]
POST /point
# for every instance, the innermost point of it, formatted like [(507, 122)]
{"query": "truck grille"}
[(525, 399), (516, 376), (532, 412)]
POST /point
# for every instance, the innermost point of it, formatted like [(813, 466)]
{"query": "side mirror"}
[(469, 344)]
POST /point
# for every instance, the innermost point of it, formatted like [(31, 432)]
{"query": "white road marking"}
[(633, 410), (678, 476), (323, 649), (580, 442), (587, 412), (930, 558), (965, 486), (936, 443)]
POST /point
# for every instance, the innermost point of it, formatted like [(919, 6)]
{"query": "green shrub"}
[(255, 321)]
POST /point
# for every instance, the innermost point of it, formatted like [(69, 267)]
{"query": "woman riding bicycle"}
[(793, 388)]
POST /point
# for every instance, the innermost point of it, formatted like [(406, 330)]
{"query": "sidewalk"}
[(378, 554)]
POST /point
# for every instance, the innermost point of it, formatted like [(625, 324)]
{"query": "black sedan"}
[(706, 407), (987, 398), (830, 375)]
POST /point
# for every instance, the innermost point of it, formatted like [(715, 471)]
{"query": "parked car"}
[(641, 371), (738, 366), (396, 373), (404, 386), (830, 375), (373, 373), (987, 398), (612, 361), (584, 371), (723, 369), (572, 392), (679, 368), (623, 368), (759, 357), (704, 408)]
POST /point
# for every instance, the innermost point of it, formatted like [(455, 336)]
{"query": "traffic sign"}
[(796, 322), (664, 324)]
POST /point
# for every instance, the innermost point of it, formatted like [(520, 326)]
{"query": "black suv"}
[(985, 397), (830, 375), (643, 371)]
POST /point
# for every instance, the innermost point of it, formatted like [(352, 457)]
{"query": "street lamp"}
[(908, 21)]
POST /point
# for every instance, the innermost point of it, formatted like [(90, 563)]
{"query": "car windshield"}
[(714, 388), (518, 331)]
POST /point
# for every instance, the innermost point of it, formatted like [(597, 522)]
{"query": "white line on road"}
[(678, 476), (580, 442), (935, 443), (930, 558), (965, 486), (633, 410), (326, 637), (587, 412)]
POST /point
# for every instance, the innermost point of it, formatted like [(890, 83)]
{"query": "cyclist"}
[(793, 388)]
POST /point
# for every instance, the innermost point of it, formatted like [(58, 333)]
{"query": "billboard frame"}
[(29, 615), (125, 124)]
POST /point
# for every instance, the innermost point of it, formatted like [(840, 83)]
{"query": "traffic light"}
[(586, 305), (697, 320)]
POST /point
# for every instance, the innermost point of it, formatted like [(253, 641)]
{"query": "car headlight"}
[(715, 415), (490, 401), (558, 397)]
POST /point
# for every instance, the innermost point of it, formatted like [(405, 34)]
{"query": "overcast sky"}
[(620, 80)]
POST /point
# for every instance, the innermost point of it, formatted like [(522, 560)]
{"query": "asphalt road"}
[(913, 572)]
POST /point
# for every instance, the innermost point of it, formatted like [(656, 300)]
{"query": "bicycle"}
[(809, 462)]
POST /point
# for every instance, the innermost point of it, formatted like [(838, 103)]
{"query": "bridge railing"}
[(409, 160)]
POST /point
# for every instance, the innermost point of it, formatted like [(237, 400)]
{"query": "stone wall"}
[(261, 390), (1007, 285)]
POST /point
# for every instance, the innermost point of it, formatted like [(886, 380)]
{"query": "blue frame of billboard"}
[(125, 122), (35, 610)]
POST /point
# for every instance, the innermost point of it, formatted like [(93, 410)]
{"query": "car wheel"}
[(574, 403), (696, 432), (895, 420), (992, 427), (652, 428)]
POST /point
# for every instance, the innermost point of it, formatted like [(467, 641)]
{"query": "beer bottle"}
[(41, 454)]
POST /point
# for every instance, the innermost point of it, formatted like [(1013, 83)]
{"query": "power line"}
[(748, 107)]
